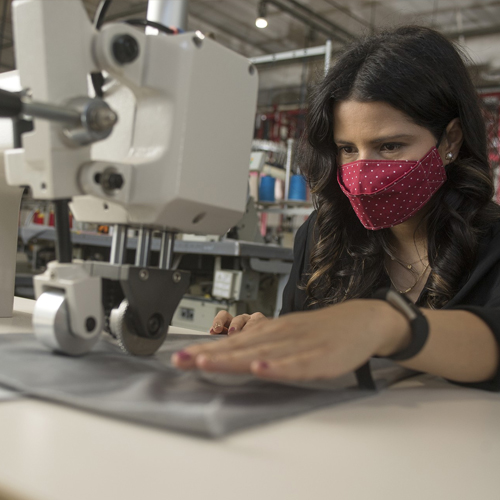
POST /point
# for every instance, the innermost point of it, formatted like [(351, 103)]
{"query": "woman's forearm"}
[(460, 346)]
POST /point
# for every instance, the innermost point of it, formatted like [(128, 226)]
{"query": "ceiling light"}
[(261, 21)]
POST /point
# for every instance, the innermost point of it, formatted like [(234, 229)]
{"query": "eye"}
[(390, 147), (347, 150)]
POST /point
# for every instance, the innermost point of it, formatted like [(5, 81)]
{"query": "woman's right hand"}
[(224, 323)]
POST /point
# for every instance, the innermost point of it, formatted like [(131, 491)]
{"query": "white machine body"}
[(185, 110), (180, 150)]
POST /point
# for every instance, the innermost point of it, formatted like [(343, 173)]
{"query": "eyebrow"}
[(386, 138)]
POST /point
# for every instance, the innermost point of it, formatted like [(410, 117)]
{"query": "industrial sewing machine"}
[(166, 148)]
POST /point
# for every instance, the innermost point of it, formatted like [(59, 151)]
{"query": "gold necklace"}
[(404, 264), (408, 290)]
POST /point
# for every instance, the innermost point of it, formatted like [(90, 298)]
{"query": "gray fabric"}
[(150, 391)]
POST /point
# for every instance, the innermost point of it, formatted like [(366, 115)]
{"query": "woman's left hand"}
[(304, 346)]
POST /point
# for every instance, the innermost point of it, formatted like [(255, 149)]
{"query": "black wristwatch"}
[(418, 322)]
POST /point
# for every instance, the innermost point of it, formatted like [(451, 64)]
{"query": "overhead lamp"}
[(261, 21)]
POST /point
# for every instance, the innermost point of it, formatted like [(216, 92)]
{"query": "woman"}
[(396, 158)]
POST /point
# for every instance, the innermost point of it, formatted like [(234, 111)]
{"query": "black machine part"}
[(145, 305)]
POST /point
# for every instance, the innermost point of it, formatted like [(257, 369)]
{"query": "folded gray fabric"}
[(150, 391)]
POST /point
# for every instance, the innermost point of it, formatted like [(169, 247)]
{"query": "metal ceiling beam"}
[(454, 8), (321, 19), (347, 12), (329, 32)]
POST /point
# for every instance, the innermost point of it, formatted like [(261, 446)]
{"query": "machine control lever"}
[(86, 120)]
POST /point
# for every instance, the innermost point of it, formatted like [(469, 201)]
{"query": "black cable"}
[(97, 82), (2, 28), (103, 7), (100, 13), (97, 77), (152, 24)]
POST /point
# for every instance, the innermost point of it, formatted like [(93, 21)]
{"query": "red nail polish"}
[(211, 330), (232, 329), (184, 356), (263, 365)]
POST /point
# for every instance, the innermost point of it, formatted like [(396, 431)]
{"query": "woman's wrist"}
[(392, 328)]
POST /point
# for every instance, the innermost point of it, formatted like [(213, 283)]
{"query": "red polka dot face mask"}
[(384, 193)]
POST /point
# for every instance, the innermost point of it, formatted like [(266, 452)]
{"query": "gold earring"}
[(449, 156)]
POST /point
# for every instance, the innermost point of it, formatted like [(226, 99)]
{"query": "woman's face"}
[(376, 130)]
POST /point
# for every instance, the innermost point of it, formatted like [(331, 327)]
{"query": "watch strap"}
[(418, 322)]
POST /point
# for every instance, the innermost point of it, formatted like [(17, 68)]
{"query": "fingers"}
[(221, 323), (224, 323), (277, 361), (238, 323), (244, 321), (262, 333), (240, 360)]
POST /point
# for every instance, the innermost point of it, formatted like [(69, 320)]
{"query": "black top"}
[(480, 292)]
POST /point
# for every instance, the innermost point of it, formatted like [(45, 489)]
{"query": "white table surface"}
[(421, 439)]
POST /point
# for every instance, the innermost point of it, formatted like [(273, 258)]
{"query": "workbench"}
[(423, 438)]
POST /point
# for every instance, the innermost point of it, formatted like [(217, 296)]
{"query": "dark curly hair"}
[(419, 72)]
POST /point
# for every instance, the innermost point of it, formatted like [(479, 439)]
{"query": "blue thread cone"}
[(266, 189), (298, 188)]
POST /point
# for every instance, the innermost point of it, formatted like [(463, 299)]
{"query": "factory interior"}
[(214, 210), (290, 53)]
